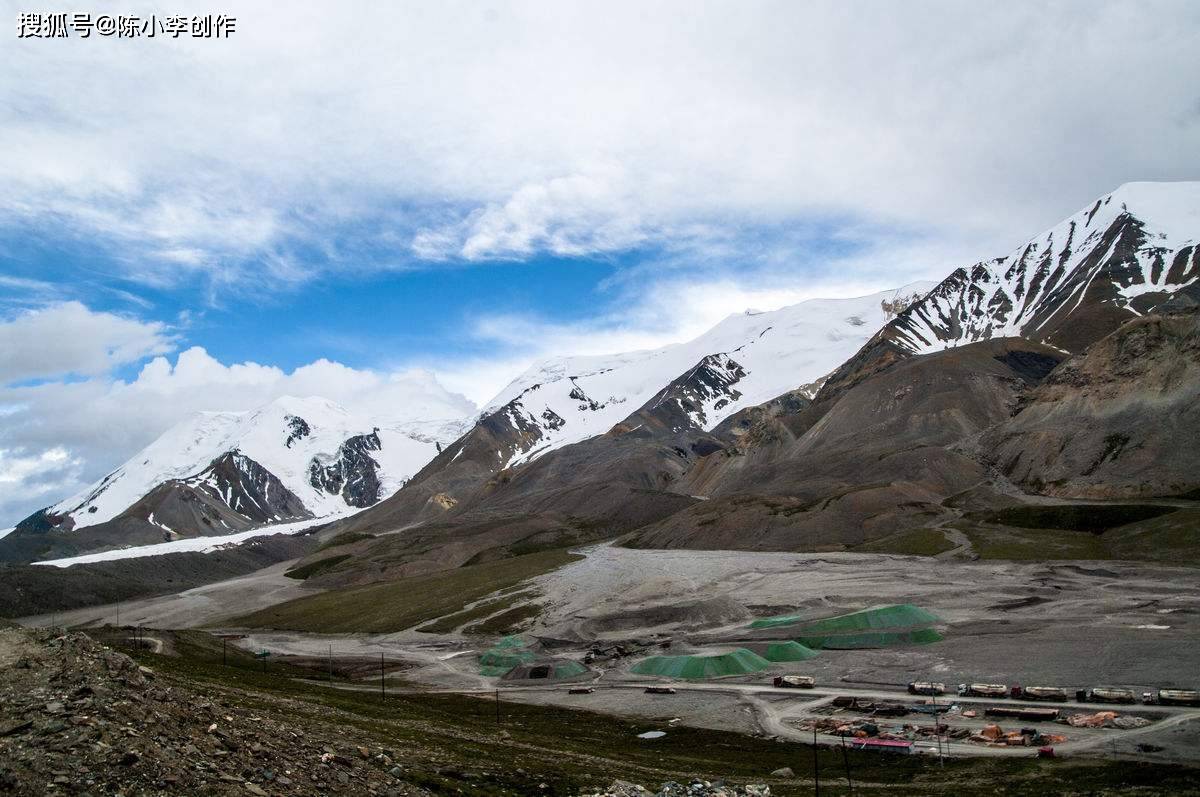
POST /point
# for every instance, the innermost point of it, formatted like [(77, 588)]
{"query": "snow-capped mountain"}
[(290, 459), (1112, 260), (223, 472), (744, 360)]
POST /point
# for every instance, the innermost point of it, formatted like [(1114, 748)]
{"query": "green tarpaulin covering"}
[(786, 651), (877, 618), (735, 662), (876, 627), (547, 670)]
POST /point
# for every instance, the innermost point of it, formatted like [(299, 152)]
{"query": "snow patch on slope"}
[(194, 544), (571, 399)]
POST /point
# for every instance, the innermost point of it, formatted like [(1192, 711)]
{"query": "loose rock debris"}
[(79, 718), (697, 788)]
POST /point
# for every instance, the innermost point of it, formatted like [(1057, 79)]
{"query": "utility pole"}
[(497, 706), (223, 661), (846, 761), (331, 664), (937, 730), (816, 765), (382, 687)]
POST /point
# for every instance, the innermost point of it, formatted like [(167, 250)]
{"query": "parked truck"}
[(982, 690), (1105, 694), (926, 688), (1054, 693), (1172, 697), (794, 682)]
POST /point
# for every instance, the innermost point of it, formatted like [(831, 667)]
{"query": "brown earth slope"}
[(1121, 421)]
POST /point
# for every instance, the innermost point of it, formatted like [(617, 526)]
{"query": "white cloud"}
[(68, 338), (454, 129), (57, 437), (30, 480)]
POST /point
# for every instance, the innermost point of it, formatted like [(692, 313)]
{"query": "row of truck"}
[(1099, 694)]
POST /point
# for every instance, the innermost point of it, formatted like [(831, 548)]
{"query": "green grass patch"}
[(1173, 537), (915, 542), (346, 538), (403, 603), (444, 625), (313, 568), (508, 622), (1094, 518)]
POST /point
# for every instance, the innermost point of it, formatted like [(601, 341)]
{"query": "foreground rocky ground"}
[(78, 718), (115, 712), (699, 788)]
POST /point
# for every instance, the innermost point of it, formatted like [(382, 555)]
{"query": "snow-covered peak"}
[(1139, 241), (570, 399), (1170, 211), (286, 437)]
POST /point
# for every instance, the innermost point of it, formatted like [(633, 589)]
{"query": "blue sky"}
[(397, 205)]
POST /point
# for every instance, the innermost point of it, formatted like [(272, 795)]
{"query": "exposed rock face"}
[(298, 430), (1067, 288), (1120, 421), (249, 489), (689, 400), (353, 474)]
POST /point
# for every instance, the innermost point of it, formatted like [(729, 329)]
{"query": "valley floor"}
[(1072, 624)]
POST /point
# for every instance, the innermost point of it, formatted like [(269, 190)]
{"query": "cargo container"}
[(1040, 693), (1172, 697), (659, 690), (794, 682), (898, 746), (983, 690), (580, 690), (1105, 694), (1023, 712), (926, 688)]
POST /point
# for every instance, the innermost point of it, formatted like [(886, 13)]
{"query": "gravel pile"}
[(79, 718)]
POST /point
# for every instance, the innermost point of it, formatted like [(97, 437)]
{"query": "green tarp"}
[(876, 627), (735, 662), (786, 651), (547, 670), (511, 642), (877, 618)]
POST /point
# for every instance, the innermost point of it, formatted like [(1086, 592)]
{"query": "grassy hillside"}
[(1170, 538), (400, 604)]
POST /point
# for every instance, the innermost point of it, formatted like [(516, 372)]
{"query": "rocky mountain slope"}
[(743, 361), (1120, 421), (889, 438), (1122, 256), (223, 472), (680, 391)]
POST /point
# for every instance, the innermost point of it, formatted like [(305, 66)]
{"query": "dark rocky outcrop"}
[(354, 473)]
